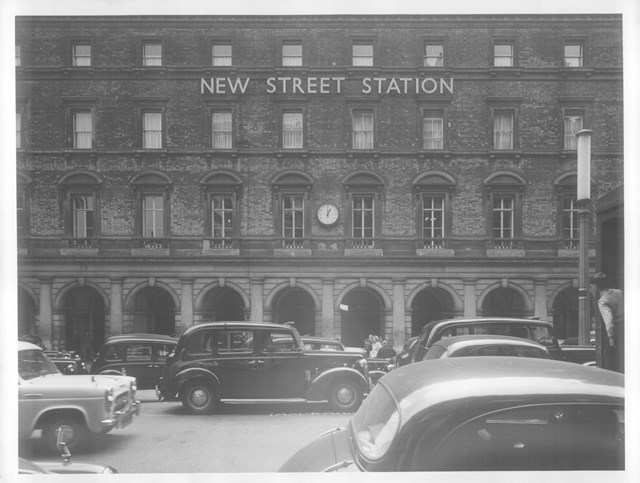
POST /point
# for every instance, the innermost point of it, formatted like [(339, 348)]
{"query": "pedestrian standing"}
[(376, 346), (611, 308)]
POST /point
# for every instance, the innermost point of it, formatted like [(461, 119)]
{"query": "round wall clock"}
[(328, 214)]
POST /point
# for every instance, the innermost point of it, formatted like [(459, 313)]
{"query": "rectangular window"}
[(363, 129), (82, 129), (503, 217), (573, 55), (222, 211), (503, 129), (83, 216), (81, 55), (503, 55), (152, 130), (362, 54), (151, 54), (570, 225), (291, 54), (433, 221), (433, 129), (235, 342), (153, 216), (292, 130), (18, 55), (293, 221), (222, 130), (221, 54), (21, 213), (433, 55), (18, 130), (572, 124), (362, 216)]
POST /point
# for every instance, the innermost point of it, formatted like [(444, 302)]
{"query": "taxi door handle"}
[(33, 396)]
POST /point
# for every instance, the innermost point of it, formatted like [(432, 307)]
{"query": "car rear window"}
[(542, 437), (537, 333), (235, 342)]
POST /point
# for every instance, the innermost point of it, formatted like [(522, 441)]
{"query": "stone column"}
[(257, 300), (470, 298), (540, 304), (45, 324), (116, 311), (327, 308), (398, 315), (186, 304)]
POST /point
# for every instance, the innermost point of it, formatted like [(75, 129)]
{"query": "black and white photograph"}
[(268, 240)]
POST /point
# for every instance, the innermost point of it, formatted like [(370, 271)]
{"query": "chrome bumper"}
[(123, 417)]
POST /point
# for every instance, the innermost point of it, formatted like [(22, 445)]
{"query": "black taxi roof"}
[(419, 386), (237, 324), (142, 336)]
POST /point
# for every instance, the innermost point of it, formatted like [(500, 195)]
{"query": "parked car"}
[(533, 329), (486, 345), (224, 361), (480, 414), (68, 362), (138, 355), (77, 404), (404, 357)]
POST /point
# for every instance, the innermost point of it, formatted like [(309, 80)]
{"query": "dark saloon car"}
[(480, 414), (68, 362), (226, 361), (486, 345), (139, 355)]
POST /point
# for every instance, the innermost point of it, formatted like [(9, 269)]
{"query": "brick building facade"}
[(175, 170)]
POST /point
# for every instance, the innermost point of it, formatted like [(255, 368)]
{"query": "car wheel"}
[(344, 396), (198, 397), (75, 433)]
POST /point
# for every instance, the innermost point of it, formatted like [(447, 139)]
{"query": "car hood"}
[(118, 383), (330, 451)]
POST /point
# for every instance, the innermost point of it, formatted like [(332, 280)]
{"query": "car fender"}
[(192, 373), (50, 411), (319, 385)]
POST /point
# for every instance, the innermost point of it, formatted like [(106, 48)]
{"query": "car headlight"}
[(108, 470), (362, 363), (133, 386), (109, 399)]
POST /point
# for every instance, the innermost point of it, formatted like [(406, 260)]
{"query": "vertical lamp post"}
[(583, 201)]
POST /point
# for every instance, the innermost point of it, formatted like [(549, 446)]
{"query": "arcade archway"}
[(503, 302), (295, 305), (362, 314), (428, 305), (154, 311), (84, 318), (222, 303)]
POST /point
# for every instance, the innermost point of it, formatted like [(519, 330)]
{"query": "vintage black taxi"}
[(480, 414), (226, 361)]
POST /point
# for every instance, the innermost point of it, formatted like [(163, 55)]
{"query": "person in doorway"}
[(375, 346), (611, 308), (368, 344)]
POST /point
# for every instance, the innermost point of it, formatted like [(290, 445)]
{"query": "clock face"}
[(328, 214)]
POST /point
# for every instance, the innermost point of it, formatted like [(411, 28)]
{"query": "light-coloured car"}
[(77, 404), (486, 345)]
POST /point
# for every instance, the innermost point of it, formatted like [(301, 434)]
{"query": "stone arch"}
[(458, 304), (59, 299), (563, 307), (130, 298), (203, 292), (81, 177), (379, 290), (363, 178), (151, 177), (363, 311), (221, 301), (152, 307), (294, 302), (289, 284), (28, 305), (527, 303), (434, 178), (292, 177)]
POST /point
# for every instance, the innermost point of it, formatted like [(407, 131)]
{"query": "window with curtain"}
[(151, 130), (570, 225), (292, 54), (222, 130), (83, 216), (573, 55), (433, 54), (82, 129), (221, 54), (151, 54), (362, 54), (433, 129), (503, 55), (503, 129), (503, 217), (292, 130), (153, 216), (363, 221), (433, 221), (572, 124), (362, 129), (293, 221), (222, 216), (81, 55)]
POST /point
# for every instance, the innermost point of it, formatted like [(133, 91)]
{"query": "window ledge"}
[(501, 153), (150, 252), (566, 253), (291, 252), (223, 252), (505, 253), (435, 253), (363, 252), (79, 251), (363, 152)]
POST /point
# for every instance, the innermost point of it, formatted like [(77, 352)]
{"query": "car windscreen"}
[(375, 423), (33, 363)]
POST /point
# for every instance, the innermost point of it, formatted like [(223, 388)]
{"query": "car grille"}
[(122, 402)]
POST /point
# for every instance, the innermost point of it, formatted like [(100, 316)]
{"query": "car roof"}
[(459, 341), (421, 385), (142, 336), (22, 346), (309, 338), (235, 324)]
